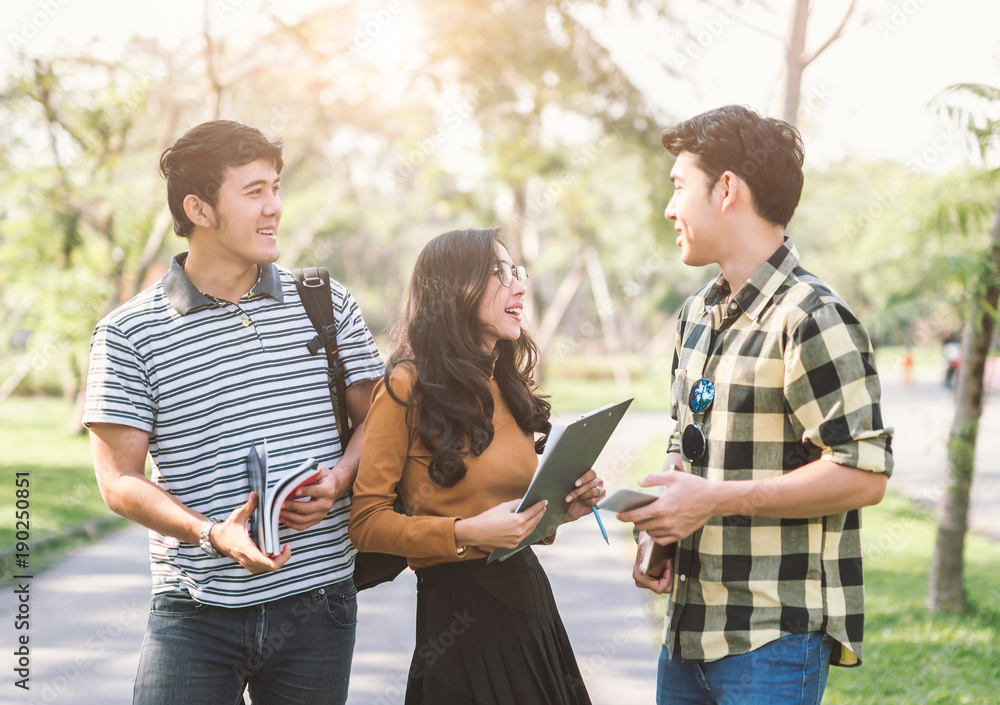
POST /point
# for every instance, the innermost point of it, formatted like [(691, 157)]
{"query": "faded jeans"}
[(791, 670), (296, 649)]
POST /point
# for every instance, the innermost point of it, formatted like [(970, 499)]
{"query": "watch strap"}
[(204, 538)]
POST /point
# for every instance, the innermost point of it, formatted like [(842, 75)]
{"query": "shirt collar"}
[(184, 297), (762, 285), (765, 282)]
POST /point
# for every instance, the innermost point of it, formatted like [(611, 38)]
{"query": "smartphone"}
[(625, 499), (660, 553)]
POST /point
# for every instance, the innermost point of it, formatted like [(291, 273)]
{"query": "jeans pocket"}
[(177, 603), (341, 607)]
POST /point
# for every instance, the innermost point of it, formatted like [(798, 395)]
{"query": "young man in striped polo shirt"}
[(779, 436), (192, 372)]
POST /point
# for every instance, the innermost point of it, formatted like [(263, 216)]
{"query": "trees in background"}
[(394, 130), (947, 588), (400, 123)]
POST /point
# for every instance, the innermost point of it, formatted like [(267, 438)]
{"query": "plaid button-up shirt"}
[(795, 380)]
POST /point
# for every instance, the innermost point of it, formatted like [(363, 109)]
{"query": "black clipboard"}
[(570, 451)]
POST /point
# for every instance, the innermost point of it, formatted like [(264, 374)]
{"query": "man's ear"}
[(731, 189), (199, 212)]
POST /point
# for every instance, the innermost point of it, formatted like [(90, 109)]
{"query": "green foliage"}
[(386, 145), (973, 106), (904, 248), (64, 498), (910, 655)]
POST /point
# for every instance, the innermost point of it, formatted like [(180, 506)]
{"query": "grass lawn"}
[(63, 492), (581, 384), (910, 656)]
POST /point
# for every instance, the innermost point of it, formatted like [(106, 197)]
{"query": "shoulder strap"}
[(313, 284)]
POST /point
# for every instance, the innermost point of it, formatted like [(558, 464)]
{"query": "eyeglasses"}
[(507, 274), (693, 443)]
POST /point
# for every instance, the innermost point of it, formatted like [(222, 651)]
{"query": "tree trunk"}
[(795, 55), (521, 238), (556, 310), (947, 588), (606, 315)]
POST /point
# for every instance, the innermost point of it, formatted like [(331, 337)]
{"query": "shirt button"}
[(322, 591), (683, 578), (245, 322), (733, 306)]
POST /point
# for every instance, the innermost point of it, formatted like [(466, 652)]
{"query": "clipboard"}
[(570, 451)]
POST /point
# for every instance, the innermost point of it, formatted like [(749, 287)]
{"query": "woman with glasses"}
[(451, 432)]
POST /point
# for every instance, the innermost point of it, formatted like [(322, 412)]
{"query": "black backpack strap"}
[(313, 284)]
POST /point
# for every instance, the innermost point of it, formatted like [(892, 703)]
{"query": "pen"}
[(600, 524)]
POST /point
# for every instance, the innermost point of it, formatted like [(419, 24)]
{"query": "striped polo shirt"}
[(795, 381), (207, 379)]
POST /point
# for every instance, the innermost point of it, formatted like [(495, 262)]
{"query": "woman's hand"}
[(499, 527), (588, 492)]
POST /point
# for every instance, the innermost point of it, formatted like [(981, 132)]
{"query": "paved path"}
[(88, 613), (922, 414)]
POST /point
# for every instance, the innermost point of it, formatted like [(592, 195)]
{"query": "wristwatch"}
[(205, 542)]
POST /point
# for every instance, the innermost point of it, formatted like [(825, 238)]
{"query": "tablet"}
[(625, 499), (570, 451)]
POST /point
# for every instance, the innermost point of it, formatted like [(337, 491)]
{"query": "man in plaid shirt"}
[(779, 437)]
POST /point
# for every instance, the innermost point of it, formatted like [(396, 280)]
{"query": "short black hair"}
[(765, 152), (197, 163)]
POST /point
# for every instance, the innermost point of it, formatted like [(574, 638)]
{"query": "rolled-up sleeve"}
[(832, 390)]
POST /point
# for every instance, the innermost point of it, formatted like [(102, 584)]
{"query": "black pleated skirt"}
[(491, 635)]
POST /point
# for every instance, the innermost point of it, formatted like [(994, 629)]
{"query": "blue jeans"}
[(294, 650), (791, 670)]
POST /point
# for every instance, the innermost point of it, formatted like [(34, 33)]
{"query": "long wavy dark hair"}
[(441, 338)]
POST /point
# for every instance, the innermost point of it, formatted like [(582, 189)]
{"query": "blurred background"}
[(402, 119)]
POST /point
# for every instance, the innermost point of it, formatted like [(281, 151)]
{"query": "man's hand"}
[(686, 504), (663, 567), (330, 486), (232, 539), (821, 488)]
